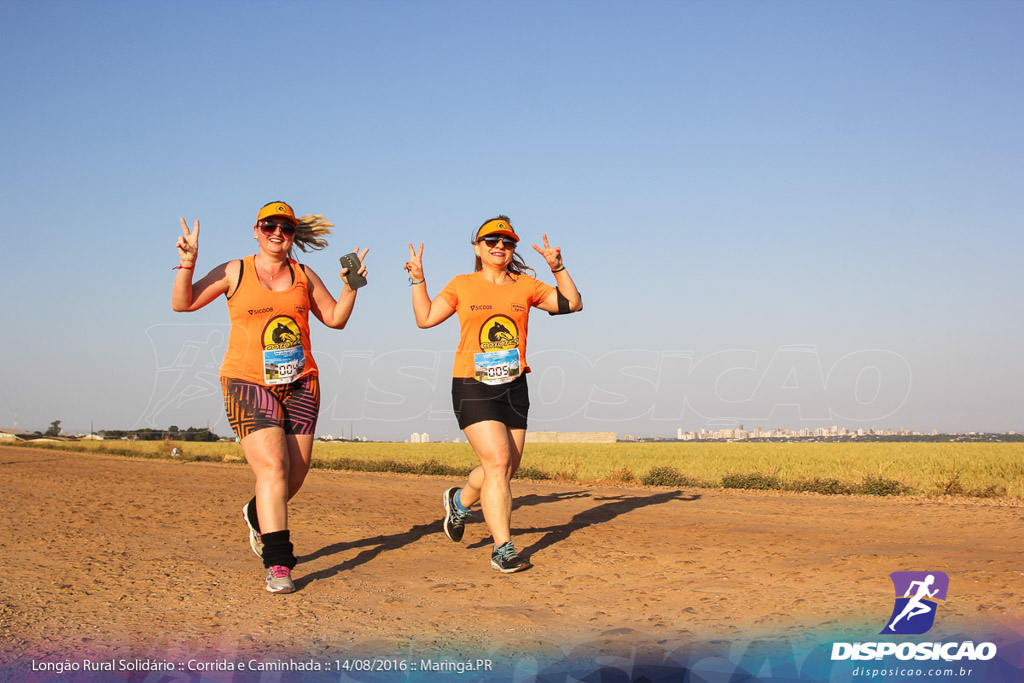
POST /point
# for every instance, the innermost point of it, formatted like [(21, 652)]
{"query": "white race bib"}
[(282, 366), (496, 367)]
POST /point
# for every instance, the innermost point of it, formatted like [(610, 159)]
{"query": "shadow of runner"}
[(538, 499), (600, 514), (378, 544)]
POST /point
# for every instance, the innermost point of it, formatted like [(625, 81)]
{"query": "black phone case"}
[(351, 261)]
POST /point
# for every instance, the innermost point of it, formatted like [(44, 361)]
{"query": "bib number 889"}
[(497, 371)]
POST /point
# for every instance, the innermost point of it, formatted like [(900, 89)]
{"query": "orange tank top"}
[(269, 339)]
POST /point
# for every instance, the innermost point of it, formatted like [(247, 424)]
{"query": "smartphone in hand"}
[(351, 261)]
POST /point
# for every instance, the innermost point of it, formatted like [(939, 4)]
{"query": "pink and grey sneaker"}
[(279, 580)]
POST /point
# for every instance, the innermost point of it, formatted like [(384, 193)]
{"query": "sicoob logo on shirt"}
[(281, 333), (498, 333)]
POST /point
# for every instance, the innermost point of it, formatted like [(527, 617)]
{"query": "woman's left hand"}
[(362, 266), (553, 255)]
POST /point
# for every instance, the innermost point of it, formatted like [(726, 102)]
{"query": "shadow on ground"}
[(600, 514), (609, 508)]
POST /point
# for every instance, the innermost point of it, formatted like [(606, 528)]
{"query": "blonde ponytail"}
[(311, 233)]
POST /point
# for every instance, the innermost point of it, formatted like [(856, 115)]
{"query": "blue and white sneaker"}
[(506, 560), (454, 518)]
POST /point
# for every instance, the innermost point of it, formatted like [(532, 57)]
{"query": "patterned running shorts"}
[(293, 407)]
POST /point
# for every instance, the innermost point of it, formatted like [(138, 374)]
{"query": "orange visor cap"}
[(277, 209), (496, 227)]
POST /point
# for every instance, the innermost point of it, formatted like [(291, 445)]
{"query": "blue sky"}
[(779, 214)]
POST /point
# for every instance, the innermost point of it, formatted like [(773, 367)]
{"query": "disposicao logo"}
[(917, 595)]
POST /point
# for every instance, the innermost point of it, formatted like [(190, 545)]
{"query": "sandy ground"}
[(117, 557)]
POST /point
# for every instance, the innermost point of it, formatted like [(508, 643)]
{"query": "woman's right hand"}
[(188, 243), (415, 263)]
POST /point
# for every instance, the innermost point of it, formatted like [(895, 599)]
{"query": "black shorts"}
[(475, 401)]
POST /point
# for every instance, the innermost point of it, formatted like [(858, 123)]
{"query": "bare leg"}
[(267, 452), (300, 451), (500, 450)]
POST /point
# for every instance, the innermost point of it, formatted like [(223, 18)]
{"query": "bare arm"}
[(189, 296), (334, 314), (563, 282), (186, 296), (428, 312)]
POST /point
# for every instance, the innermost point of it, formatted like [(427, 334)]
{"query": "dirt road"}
[(116, 557)]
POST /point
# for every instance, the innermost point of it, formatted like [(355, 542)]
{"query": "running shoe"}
[(255, 542), (454, 518), (506, 560), (279, 580)]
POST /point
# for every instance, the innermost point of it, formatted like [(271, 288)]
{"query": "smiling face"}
[(275, 234), (495, 251)]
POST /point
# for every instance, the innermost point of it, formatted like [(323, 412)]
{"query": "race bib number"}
[(496, 367), (282, 366)]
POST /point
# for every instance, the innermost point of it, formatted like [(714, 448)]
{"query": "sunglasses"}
[(268, 228), (492, 242)]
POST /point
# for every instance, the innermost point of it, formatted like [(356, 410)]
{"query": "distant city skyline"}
[(724, 434), (741, 434)]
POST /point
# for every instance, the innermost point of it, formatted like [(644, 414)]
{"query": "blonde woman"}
[(269, 377)]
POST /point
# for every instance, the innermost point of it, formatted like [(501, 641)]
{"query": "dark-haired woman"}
[(269, 378), (489, 392)]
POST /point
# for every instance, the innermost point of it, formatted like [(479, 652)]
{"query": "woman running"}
[(489, 392), (269, 377)]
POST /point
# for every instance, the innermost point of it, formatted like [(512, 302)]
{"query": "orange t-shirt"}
[(493, 321), (269, 339)]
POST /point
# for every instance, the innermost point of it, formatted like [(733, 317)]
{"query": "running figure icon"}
[(916, 606)]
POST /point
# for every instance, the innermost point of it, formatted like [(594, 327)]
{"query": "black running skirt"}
[(475, 401)]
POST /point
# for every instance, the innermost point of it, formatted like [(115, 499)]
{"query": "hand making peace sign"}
[(553, 255), (188, 243), (415, 263), (362, 266)]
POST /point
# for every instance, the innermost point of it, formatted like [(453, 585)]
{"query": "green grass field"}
[(987, 470)]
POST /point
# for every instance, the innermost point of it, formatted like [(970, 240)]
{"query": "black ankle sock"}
[(250, 512), (277, 549)]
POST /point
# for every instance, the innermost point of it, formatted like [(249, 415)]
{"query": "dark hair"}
[(517, 266)]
